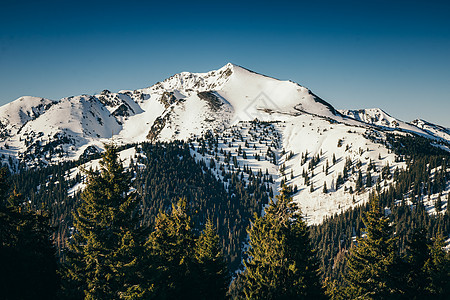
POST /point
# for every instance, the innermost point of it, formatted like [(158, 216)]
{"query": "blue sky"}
[(355, 54)]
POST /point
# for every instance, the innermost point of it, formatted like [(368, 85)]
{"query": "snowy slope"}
[(15, 114), (433, 129), (380, 118), (40, 131)]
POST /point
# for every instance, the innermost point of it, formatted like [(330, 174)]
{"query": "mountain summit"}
[(42, 131), (279, 125)]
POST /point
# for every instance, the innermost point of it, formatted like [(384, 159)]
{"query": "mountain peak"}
[(229, 65)]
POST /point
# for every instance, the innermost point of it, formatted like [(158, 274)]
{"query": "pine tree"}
[(214, 279), (427, 267), (171, 245), (368, 179), (107, 244), (437, 268), (438, 203), (281, 262), (325, 190), (359, 182), (373, 262), (416, 255)]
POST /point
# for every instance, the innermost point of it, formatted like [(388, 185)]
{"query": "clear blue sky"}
[(355, 54)]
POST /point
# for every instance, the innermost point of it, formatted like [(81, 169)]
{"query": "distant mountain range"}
[(280, 125)]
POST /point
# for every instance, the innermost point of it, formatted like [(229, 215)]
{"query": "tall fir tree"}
[(171, 247), (106, 246), (427, 267), (417, 253), (214, 277), (373, 265), (281, 263), (437, 269)]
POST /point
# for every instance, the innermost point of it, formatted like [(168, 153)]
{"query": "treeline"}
[(162, 172), (112, 255), (375, 269), (129, 236), (171, 172), (406, 202)]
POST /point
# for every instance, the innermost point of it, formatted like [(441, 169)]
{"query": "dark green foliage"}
[(413, 145), (214, 278), (368, 180), (438, 203), (166, 178), (165, 173), (106, 247), (359, 182), (186, 266), (448, 204), (28, 265), (171, 245), (281, 263), (416, 255), (373, 262), (427, 267), (437, 270), (335, 236)]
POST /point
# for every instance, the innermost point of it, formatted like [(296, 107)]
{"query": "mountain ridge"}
[(281, 126)]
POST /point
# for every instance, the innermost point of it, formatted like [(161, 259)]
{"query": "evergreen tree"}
[(373, 262), (281, 262), (417, 254), (28, 265), (106, 247), (438, 203), (427, 267), (369, 180), (214, 278), (359, 182), (171, 245), (448, 204), (437, 269)]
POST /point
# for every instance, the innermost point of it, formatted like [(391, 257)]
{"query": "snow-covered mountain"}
[(380, 118), (433, 129), (282, 127)]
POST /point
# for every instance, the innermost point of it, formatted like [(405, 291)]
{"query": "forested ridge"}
[(162, 174), (402, 202), (170, 192)]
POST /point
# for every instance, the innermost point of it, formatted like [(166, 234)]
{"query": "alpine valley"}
[(227, 140)]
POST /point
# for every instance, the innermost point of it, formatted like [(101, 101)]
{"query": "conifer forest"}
[(164, 227)]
